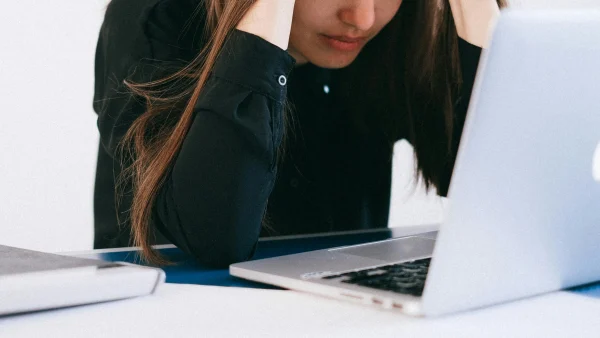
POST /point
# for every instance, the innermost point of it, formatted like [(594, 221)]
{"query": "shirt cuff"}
[(252, 61), (469, 55)]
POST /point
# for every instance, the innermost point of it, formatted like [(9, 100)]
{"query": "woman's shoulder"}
[(158, 29)]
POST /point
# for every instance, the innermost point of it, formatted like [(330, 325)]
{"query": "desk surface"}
[(212, 311), (187, 271)]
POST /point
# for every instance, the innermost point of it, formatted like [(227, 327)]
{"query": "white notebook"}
[(34, 281)]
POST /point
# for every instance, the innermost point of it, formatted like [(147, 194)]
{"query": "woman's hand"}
[(475, 19), (271, 20)]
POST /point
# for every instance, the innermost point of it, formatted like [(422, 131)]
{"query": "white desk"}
[(209, 311)]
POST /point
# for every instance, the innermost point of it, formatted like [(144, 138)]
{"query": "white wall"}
[(48, 136)]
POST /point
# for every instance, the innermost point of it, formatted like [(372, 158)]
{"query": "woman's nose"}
[(359, 14)]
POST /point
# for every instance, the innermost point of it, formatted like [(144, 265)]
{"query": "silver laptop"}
[(34, 281), (524, 212)]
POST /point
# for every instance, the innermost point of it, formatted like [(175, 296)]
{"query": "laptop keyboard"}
[(406, 278)]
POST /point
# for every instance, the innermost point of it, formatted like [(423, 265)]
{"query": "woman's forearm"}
[(215, 196), (271, 20), (474, 19)]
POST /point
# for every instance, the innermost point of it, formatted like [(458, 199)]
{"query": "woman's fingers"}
[(271, 20), (475, 19)]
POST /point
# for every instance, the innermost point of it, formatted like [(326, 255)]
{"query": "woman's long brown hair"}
[(421, 35)]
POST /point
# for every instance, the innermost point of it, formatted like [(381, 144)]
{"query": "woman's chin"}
[(324, 57), (335, 61)]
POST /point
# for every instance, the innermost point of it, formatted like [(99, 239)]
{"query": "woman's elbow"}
[(222, 252)]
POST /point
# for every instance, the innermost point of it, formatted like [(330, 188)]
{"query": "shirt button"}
[(294, 183), (326, 89), (282, 80)]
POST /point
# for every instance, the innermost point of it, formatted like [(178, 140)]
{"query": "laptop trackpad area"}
[(393, 250)]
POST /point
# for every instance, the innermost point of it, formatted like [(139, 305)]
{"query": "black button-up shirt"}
[(226, 175)]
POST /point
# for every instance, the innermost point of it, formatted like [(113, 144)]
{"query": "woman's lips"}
[(343, 43)]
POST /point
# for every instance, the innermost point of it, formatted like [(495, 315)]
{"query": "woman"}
[(263, 117)]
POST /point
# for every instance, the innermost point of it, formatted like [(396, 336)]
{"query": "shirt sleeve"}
[(213, 201), (469, 61), (469, 56)]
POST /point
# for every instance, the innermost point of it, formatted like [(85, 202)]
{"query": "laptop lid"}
[(524, 213)]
